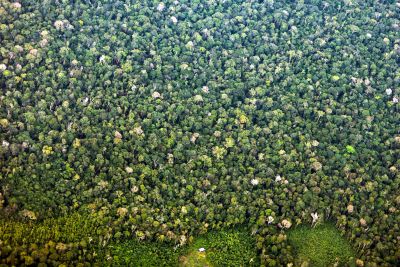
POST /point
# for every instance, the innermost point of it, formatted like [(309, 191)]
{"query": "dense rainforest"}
[(162, 121)]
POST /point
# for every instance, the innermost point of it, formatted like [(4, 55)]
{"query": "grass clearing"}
[(195, 259), (224, 248), (145, 254), (321, 246)]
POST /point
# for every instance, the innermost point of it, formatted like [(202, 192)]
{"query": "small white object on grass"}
[(315, 218), (202, 249)]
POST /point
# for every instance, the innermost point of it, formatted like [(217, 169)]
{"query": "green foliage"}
[(7, 73), (136, 253), (350, 149), (321, 246), (72, 228), (55, 241), (195, 259), (223, 248), (167, 119)]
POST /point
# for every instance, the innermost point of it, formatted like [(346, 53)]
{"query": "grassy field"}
[(224, 248), (321, 246)]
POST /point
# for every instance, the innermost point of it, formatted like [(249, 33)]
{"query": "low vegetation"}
[(321, 246)]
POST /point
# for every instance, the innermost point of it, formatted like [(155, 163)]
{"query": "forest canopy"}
[(162, 121)]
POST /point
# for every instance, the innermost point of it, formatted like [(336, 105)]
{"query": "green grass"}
[(224, 248), (321, 246), (195, 259), (136, 253)]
